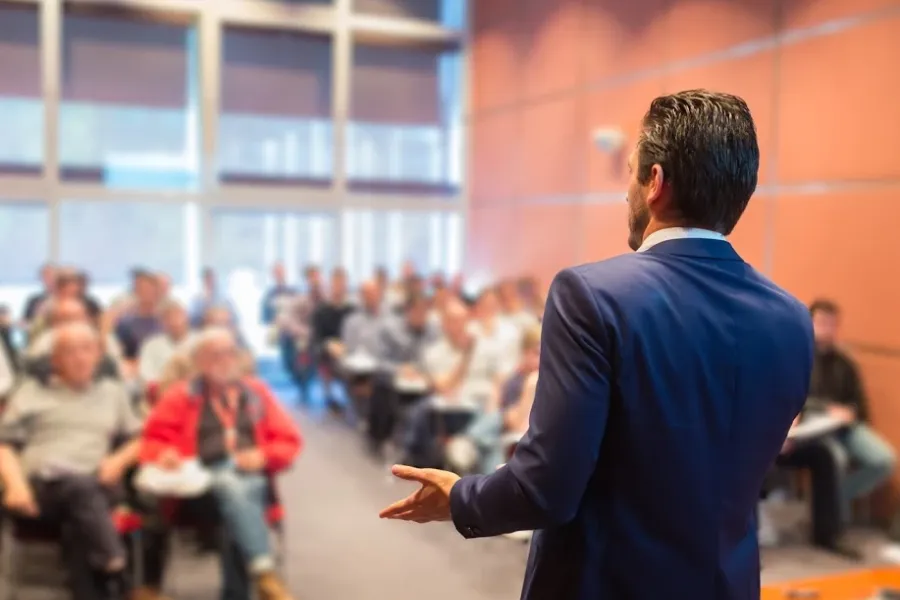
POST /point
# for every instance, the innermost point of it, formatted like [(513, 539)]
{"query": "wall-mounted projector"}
[(609, 139)]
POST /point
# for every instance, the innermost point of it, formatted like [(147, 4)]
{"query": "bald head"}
[(371, 295), (66, 310), (75, 353)]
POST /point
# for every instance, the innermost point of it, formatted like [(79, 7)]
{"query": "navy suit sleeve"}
[(544, 482)]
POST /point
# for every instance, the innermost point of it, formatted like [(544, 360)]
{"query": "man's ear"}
[(655, 188)]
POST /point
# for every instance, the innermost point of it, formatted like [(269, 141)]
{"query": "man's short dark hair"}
[(706, 144), (824, 306)]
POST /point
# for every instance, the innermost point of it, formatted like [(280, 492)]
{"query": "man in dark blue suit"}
[(668, 381)]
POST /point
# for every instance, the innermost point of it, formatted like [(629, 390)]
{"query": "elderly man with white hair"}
[(57, 461), (236, 429)]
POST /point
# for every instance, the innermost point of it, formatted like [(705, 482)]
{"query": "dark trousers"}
[(827, 525), (382, 407), (79, 505)]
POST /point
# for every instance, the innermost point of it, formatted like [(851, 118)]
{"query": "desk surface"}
[(856, 585)]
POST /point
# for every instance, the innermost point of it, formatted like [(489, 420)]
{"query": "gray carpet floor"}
[(338, 549)]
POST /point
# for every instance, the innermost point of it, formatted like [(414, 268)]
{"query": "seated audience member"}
[(327, 323), (458, 289), (163, 287), (512, 308), (401, 344), (142, 321), (361, 328), (836, 384), (82, 284), (210, 297), (237, 429), (817, 457), (56, 457), (492, 329), (276, 296), (480, 447), (37, 362), (464, 370), (532, 295), (34, 301), (294, 322), (159, 349), (7, 371)]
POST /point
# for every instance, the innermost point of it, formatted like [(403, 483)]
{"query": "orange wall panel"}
[(498, 80), (879, 375), (697, 27), (495, 160), (552, 58), (549, 138), (750, 237), (549, 238), (623, 108), (492, 233), (838, 105), (622, 37), (826, 245), (750, 77), (806, 13), (604, 231)]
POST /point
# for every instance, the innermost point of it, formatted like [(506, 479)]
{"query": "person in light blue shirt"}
[(210, 297)]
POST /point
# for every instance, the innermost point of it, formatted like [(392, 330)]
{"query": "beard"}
[(638, 220)]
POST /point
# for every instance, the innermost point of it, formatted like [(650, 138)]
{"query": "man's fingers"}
[(412, 474), (400, 507)]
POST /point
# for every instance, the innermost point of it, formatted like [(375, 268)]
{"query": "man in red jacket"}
[(236, 428)]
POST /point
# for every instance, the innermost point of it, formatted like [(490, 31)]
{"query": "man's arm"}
[(164, 426), (128, 428), (446, 383), (853, 392), (14, 435), (544, 482), (281, 440)]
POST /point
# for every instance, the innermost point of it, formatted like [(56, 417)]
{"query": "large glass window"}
[(252, 241), (450, 13), (405, 128), (127, 116), (24, 247), (246, 243), (276, 106), (432, 240), (21, 104), (109, 238)]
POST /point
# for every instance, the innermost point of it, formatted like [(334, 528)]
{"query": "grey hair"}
[(209, 335)]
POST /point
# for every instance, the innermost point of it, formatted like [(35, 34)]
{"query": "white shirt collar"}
[(678, 233)]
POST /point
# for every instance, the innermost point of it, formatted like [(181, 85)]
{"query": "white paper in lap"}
[(815, 426), (190, 480)]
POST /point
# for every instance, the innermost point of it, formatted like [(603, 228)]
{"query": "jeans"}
[(241, 499), (868, 462)]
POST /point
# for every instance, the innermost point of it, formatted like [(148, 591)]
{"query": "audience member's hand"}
[(335, 349), (842, 413), (409, 372), (20, 500), (430, 503), (111, 471), (169, 459), (250, 461)]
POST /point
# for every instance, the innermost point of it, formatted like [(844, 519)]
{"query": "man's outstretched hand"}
[(430, 503)]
